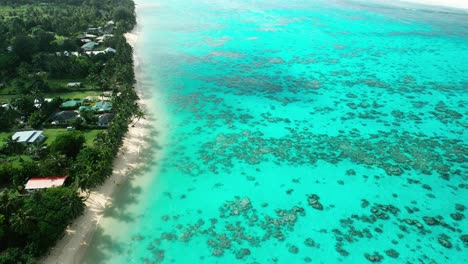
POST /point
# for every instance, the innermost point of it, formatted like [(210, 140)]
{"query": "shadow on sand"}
[(103, 245)]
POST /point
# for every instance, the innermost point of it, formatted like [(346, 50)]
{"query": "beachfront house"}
[(97, 52), (104, 37), (85, 108), (102, 106), (93, 31), (89, 46), (110, 50), (67, 53), (71, 104), (90, 36), (109, 27), (38, 183), (105, 119), (28, 137)]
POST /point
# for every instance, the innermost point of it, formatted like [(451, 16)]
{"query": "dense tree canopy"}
[(7, 118), (24, 47), (32, 32), (68, 144)]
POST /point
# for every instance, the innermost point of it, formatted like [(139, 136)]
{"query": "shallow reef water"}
[(300, 132)]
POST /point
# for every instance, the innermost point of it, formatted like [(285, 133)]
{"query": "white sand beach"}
[(73, 246)]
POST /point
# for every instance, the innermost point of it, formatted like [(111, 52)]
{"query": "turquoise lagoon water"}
[(298, 131)]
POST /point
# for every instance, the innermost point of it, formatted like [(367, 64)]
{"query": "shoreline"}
[(73, 246)]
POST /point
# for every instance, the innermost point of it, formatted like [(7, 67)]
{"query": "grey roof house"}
[(63, 117), (105, 119)]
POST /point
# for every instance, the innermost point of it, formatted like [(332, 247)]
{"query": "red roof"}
[(45, 182)]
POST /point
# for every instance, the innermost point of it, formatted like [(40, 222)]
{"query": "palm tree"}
[(74, 203), (9, 202), (138, 114), (22, 222), (13, 146), (37, 150)]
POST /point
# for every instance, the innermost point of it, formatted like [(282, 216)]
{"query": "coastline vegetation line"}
[(50, 48)]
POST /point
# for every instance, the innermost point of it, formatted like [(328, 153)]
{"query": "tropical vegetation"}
[(38, 38)]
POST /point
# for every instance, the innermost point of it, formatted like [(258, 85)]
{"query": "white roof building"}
[(94, 52), (44, 182), (97, 52), (74, 84), (110, 50), (28, 136)]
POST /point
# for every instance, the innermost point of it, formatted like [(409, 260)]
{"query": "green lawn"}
[(52, 134), (62, 83), (64, 95), (75, 94)]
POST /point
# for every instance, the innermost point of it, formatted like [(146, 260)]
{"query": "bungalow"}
[(94, 52), (110, 50), (97, 52), (89, 46), (71, 104), (104, 37), (28, 137), (105, 119), (73, 84), (92, 31), (102, 106), (109, 27), (85, 108), (67, 53), (64, 117), (90, 36), (34, 184)]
